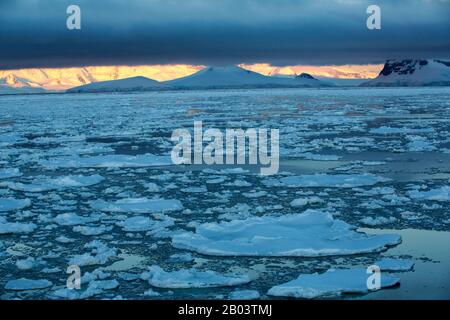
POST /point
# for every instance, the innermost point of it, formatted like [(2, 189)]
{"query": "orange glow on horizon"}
[(65, 78)]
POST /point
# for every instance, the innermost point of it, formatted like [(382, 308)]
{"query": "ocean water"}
[(86, 179)]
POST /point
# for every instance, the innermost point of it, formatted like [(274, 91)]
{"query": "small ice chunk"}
[(389, 264), (15, 227), (312, 233), (191, 278), (9, 173), (332, 283), (304, 201), (377, 221), (27, 284), (72, 219), (244, 295), (26, 264), (151, 293), (140, 223), (327, 181), (438, 194)]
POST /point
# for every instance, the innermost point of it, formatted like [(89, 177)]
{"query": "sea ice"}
[(138, 205), (312, 233), (244, 295), (333, 282), (11, 204), (27, 284), (191, 278), (438, 194), (15, 227), (108, 161), (140, 223), (9, 173), (327, 181), (389, 264)]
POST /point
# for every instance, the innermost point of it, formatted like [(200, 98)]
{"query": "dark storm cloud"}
[(33, 33)]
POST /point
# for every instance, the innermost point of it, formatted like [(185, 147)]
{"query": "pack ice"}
[(191, 278), (332, 283), (327, 181), (312, 233)]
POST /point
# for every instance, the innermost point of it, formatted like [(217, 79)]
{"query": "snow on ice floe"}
[(191, 278), (332, 283), (11, 204), (138, 205), (41, 185), (377, 221), (108, 161), (27, 284), (9, 173), (438, 194), (389, 264), (15, 227), (312, 233), (326, 180)]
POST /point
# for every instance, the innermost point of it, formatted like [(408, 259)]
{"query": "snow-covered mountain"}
[(122, 85), (237, 77), (412, 73)]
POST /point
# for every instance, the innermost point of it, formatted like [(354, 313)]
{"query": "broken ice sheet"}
[(138, 205), (312, 233), (326, 180), (390, 264), (332, 283)]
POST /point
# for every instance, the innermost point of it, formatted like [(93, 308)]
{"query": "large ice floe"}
[(191, 278), (138, 205), (27, 284), (312, 233), (332, 283), (108, 161), (327, 181)]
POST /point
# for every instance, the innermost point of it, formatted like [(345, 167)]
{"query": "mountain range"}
[(406, 72)]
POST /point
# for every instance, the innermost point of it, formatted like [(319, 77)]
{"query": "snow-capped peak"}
[(411, 72)]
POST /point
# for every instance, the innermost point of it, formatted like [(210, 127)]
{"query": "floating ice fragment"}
[(27, 284), (108, 161), (312, 233), (438, 194), (327, 181), (9, 173), (138, 205), (191, 278), (389, 264), (15, 227), (244, 295), (11, 204)]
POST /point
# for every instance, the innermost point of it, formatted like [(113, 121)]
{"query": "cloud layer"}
[(282, 32)]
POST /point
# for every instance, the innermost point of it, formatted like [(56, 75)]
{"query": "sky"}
[(33, 33)]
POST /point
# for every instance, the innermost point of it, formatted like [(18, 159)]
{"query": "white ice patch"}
[(9, 173), (305, 201), (377, 221), (72, 219), (11, 204), (332, 283), (27, 284), (108, 161), (138, 205), (100, 254), (15, 227), (56, 183), (191, 278), (140, 223), (312, 233), (389, 264), (327, 181), (244, 295), (438, 194)]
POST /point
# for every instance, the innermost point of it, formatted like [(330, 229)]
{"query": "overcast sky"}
[(33, 33)]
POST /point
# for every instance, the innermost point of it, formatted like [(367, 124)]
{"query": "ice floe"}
[(312, 233), (108, 161), (389, 264), (15, 227), (191, 278), (9, 173), (326, 180), (140, 223), (438, 194), (27, 284), (244, 295), (332, 283), (11, 204), (42, 185)]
